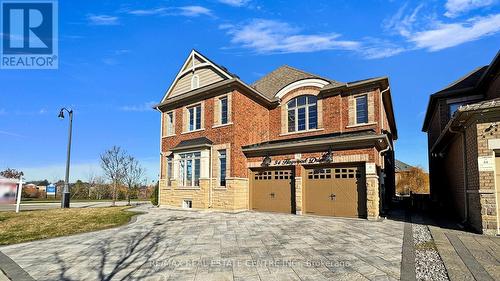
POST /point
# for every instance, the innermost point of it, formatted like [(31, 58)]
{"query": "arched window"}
[(302, 113), (195, 82)]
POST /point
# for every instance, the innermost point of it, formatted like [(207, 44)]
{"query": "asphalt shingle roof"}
[(279, 78), (401, 166), (194, 142)]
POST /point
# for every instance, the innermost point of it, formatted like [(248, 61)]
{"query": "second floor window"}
[(361, 110), (222, 167), (194, 118), (223, 110), (302, 114), (170, 123)]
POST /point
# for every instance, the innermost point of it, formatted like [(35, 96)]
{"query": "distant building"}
[(464, 147), (399, 169)]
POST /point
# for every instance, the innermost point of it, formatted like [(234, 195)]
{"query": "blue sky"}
[(117, 59)]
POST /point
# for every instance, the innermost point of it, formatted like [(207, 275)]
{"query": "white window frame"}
[(356, 109), (197, 109), (195, 82), (170, 123), (169, 170), (296, 113), (220, 157), (183, 171), (227, 110)]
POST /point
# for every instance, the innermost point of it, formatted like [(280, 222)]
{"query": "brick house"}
[(291, 142), (464, 147)]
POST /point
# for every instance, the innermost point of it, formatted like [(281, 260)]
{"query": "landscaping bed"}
[(428, 263)]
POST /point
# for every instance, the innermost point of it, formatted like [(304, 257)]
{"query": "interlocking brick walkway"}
[(468, 256), (195, 245)]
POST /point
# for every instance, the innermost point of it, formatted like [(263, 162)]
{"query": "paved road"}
[(177, 245), (43, 206)]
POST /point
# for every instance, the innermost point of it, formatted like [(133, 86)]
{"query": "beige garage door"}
[(271, 191), (335, 191)]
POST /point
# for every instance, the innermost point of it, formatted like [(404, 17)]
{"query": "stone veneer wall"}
[(298, 195), (481, 190), (372, 196), (232, 197), (174, 196)]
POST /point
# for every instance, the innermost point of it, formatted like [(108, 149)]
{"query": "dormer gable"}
[(196, 72)]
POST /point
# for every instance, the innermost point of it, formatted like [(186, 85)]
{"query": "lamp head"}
[(61, 114)]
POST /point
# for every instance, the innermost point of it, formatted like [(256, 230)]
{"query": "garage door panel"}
[(318, 201), (344, 188), (271, 191)]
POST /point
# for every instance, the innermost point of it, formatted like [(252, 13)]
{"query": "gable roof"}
[(400, 166), (194, 55), (271, 83), (463, 86)]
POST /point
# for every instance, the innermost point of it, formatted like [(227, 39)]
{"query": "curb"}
[(12, 270)]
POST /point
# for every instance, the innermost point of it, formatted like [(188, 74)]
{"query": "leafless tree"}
[(11, 173), (134, 174), (113, 162)]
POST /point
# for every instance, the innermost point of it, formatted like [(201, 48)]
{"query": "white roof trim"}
[(310, 82), (192, 68)]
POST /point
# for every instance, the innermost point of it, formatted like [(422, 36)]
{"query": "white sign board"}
[(370, 168), (486, 163)]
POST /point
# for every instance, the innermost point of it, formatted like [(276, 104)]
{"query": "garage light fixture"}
[(328, 156), (266, 161)]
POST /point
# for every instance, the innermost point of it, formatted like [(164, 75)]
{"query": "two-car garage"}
[(326, 190)]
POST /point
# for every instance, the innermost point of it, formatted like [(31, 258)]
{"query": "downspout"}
[(381, 107), (465, 178), (210, 176), (161, 153)]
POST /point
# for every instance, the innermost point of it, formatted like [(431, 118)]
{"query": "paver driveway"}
[(195, 245)]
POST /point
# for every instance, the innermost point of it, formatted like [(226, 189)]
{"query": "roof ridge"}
[(467, 75), (297, 70)]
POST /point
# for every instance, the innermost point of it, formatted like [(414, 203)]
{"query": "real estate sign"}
[(51, 190)]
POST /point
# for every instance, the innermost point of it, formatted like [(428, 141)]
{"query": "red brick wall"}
[(254, 123)]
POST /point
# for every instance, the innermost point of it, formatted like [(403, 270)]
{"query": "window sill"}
[(361, 125), (220, 188), (188, 188), (222, 125), (302, 132), (193, 131), (167, 136)]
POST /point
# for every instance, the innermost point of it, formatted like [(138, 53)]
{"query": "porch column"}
[(372, 192)]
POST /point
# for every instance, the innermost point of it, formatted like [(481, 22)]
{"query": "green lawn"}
[(35, 225), (58, 200)]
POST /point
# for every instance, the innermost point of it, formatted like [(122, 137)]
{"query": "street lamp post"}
[(66, 193)]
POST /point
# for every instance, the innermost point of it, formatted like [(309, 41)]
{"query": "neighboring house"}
[(410, 180), (399, 169), (292, 142), (464, 147)]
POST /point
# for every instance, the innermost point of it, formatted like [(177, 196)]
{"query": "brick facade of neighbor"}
[(258, 117), (459, 141)]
